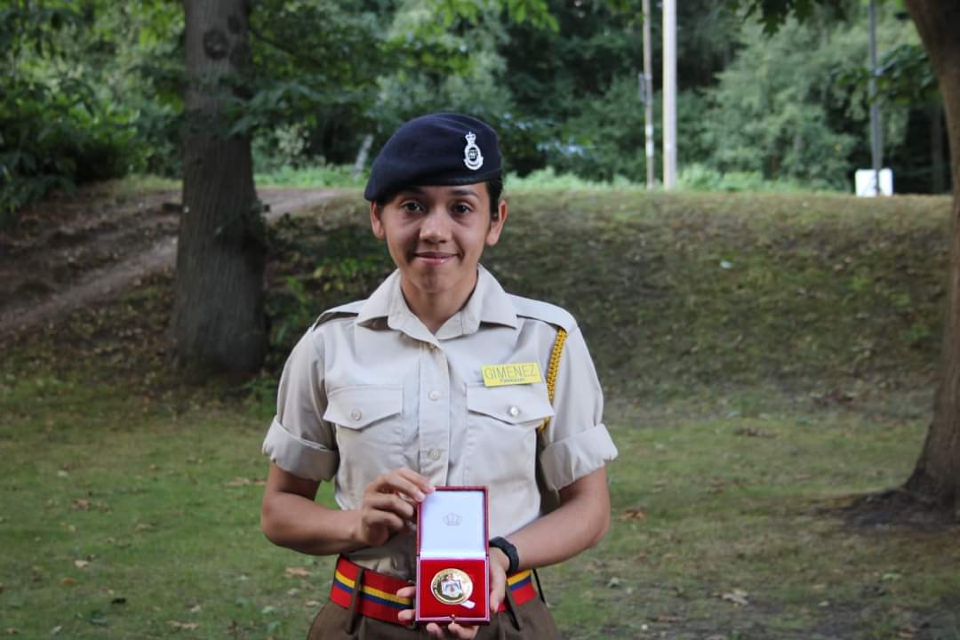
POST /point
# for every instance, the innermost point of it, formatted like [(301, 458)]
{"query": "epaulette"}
[(344, 310), (539, 310)]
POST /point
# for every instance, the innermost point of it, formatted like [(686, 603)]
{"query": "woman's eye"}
[(411, 207), (461, 208)]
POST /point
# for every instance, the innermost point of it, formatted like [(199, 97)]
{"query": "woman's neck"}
[(434, 309)]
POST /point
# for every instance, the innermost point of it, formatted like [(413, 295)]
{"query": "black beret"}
[(437, 149)]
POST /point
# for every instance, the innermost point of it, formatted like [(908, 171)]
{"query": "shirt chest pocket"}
[(501, 433), (368, 421), (516, 405)]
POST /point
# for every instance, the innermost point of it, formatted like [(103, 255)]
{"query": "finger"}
[(405, 482), (434, 630), (406, 616), (498, 586), (407, 592), (390, 503), (374, 519), (464, 632)]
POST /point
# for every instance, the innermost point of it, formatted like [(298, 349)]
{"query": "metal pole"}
[(648, 93), (669, 94), (876, 141)]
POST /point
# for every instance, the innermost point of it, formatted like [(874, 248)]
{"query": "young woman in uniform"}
[(385, 396)]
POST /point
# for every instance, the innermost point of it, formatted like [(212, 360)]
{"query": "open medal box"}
[(452, 556)]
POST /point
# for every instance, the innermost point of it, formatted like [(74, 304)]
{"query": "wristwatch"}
[(508, 550)]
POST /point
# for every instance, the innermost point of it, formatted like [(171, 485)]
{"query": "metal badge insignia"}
[(471, 153), (451, 586)]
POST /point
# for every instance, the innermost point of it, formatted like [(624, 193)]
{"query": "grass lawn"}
[(766, 358)]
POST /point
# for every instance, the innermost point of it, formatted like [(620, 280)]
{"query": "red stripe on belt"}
[(378, 592)]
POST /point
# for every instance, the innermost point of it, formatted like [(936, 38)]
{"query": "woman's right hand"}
[(389, 505)]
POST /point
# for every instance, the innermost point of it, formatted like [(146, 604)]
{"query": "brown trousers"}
[(529, 621)]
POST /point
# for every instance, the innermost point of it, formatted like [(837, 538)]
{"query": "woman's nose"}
[(435, 227)]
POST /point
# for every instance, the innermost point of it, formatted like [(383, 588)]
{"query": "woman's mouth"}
[(433, 258)]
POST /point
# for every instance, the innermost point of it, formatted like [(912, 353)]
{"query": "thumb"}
[(498, 587)]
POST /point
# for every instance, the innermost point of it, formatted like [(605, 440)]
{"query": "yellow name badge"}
[(500, 375)]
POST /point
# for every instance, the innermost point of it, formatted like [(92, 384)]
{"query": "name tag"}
[(500, 375)]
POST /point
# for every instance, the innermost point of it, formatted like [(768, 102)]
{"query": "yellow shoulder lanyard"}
[(552, 370)]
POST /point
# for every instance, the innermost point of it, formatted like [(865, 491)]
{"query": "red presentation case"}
[(452, 556)]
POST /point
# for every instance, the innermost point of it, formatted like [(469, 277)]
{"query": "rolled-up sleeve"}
[(576, 442), (299, 441)]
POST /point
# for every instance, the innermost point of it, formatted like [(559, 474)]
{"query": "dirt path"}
[(72, 252)]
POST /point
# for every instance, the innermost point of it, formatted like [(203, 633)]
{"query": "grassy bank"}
[(765, 358)]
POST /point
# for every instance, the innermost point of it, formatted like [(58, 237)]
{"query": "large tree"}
[(218, 315), (936, 478), (311, 57)]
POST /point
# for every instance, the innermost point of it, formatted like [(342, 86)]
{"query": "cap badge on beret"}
[(471, 153)]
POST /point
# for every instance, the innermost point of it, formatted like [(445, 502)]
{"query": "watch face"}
[(451, 586)]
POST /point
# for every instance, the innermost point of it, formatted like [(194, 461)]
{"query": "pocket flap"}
[(359, 406), (515, 404)]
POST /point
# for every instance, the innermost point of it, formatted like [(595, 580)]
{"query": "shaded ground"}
[(72, 251)]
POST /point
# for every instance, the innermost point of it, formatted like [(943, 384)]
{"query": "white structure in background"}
[(669, 94), (866, 183)]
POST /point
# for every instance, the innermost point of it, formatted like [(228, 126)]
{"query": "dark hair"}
[(494, 190)]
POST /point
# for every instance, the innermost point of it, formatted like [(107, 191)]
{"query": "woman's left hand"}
[(498, 585)]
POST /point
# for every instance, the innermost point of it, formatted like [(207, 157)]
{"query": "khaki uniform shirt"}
[(369, 389)]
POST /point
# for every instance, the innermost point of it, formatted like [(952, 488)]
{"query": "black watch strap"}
[(508, 550)]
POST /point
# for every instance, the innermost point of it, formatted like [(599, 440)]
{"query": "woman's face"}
[(436, 236)]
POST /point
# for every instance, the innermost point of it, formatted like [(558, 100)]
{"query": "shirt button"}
[(433, 454), (513, 411), (434, 395), (356, 414)]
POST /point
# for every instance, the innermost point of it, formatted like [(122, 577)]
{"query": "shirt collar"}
[(488, 303)]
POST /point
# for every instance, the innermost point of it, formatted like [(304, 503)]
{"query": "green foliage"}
[(311, 176), (783, 109), (324, 269), (548, 178), (72, 109)]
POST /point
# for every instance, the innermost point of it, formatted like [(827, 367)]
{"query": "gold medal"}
[(451, 586)]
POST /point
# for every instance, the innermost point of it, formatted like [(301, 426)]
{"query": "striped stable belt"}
[(378, 592)]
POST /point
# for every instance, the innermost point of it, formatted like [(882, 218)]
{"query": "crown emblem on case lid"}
[(452, 519)]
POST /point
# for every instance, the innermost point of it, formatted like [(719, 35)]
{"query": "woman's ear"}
[(497, 219), (375, 221)]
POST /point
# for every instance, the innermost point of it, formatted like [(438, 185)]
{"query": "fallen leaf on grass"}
[(297, 572), (751, 432), (312, 604), (142, 527), (737, 596), (183, 626), (57, 629), (81, 504), (246, 482), (68, 582), (196, 609), (81, 564), (666, 619), (633, 515), (614, 583), (11, 631)]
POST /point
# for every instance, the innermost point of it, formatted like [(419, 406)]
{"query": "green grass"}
[(749, 402)]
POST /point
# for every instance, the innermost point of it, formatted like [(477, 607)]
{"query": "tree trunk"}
[(936, 477), (935, 112), (218, 315)]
